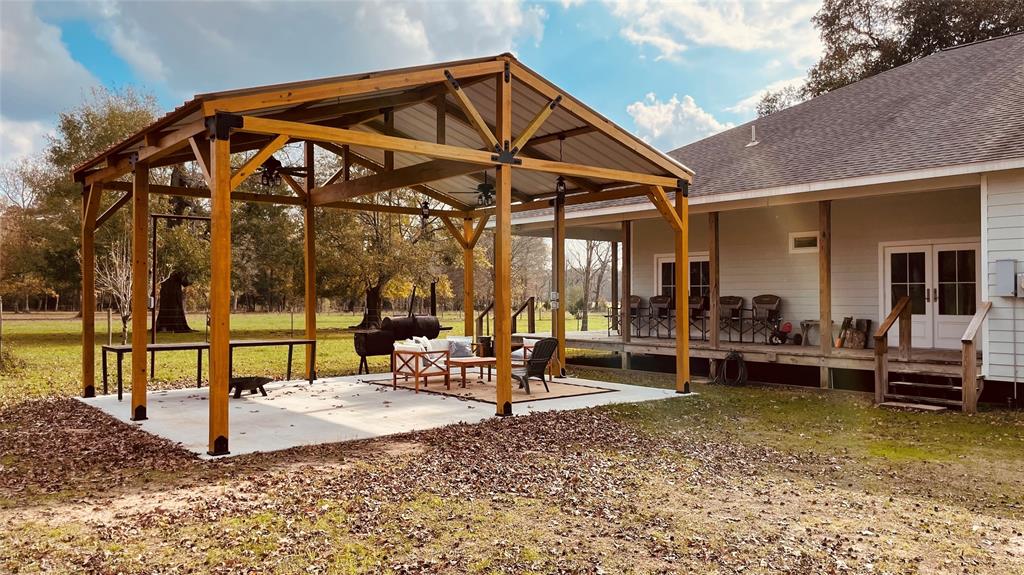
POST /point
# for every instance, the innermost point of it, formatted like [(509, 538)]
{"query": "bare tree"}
[(590, 266), (114, 278)]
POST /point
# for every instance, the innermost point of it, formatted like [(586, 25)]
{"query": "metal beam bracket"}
[(506, 155), (220, 124), (684, 187), (133, 158), (508, 72), (451, 79)]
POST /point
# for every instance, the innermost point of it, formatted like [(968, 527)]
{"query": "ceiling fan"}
[(485, 192), (271, 171)]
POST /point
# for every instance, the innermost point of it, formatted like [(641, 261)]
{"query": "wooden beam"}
[(467, 277), (140, 280), (391, 209), (113, 209), (605, 126), (309, 257), (583, 171), (201, 151), (558, 280), (357, 138), (454, 231), (90, 205), (825, 286), (354, 158), (295, 186), (476, 120), (535, 124), (205, 193), (253, 164), (664, 206), (368, 84), (406, 177), (118, 166), (682, 266), (481, 225), (564, 134), (389, 127), (503, 255), (220, 295)]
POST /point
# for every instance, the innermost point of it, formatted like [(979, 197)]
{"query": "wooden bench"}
[(198, 346)]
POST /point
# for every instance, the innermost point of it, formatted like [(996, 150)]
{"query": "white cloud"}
[(676, 122), (37, 74), (19, 139), (222, 45), (743, 25), (748, 106)]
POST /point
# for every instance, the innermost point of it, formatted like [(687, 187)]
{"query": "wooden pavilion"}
[(434, 129)]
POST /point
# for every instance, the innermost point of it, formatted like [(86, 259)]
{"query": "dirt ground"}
[(733, 481)]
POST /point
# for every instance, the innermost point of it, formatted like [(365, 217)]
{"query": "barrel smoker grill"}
[(371, 342)]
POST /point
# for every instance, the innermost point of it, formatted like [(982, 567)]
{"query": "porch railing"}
[(483, 320), (530, 307), (971, 385), (901, 312)]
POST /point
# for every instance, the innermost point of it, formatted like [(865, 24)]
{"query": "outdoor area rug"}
[(476, 390)]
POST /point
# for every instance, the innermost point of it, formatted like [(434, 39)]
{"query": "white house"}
[(917, 177)]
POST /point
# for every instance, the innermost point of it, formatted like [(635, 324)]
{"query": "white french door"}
[(941, 281)]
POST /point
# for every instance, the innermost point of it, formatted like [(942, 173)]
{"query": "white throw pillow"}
[(421, 340), (460, 346), (405, 346), (436, 345)]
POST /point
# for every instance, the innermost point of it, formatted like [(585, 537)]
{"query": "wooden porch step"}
[(927, 385), (925, 400), (914, 406)]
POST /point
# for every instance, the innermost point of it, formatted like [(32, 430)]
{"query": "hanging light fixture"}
[(485, 192), (271, 174), (424, 214)]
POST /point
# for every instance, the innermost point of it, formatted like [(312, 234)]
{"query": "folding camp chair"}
[(660, 315), (765, 311)]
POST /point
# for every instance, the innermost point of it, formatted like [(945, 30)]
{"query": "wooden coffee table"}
[(469, 362)]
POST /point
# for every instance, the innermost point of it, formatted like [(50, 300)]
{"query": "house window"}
[(803, 242), (700, 277)]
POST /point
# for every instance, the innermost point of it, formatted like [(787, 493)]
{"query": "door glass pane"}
[(916, 299), (695, 274), (947, 266), (947, 299), (965, 266), (966, 304), (915, 267), (899, 268), (898, 291)]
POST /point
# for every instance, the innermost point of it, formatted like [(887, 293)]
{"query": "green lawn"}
[(48, 347), (733, 480)]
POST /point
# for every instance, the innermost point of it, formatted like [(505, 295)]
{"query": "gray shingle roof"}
[(957, 106)]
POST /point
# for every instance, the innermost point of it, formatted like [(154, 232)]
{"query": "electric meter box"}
[(1007, 279)]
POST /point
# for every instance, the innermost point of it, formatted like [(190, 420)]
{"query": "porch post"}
[(220, 291), (627, 289), (614, 319), (309, 257), (558, 269), (90, 207), (825, 287), (467, 275), (140, 277), (503, 251), (714, 293), (682, 291)]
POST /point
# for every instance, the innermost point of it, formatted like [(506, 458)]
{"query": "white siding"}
[(1003, 206), (755, 256)]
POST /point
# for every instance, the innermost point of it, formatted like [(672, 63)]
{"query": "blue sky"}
[(672, 72)]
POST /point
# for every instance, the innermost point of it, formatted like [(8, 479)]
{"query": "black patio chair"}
[(537, 364), (730, 315), (698, 307), (766, 310), (636, 318), (660, 315)]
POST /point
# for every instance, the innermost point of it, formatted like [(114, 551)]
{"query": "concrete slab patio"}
[(335, 409)]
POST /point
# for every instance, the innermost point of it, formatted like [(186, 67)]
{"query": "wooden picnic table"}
[(198, 346)]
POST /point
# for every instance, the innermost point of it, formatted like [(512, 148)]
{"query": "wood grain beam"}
[(408, 176), (253, 164), (475, 119)]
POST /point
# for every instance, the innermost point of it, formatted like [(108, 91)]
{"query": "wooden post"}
[(220, 293), (467, 276), (614, 319), (389, 124), (906, 334), (825, 288), (558, 272), (140, 277), (969, 377), (503, 251), (682, 292), (309, 260), (627, 288), (715, 290), (881, 367), (90, 207)]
